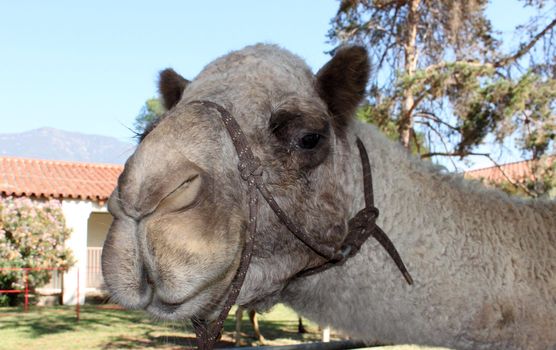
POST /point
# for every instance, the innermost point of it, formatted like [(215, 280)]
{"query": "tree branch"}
[(513, 183), (433, 117), (441, 140), (418, 100), (452, 154), (498, 166), (390, 45), (413, 136), (444, 64), (524, 49)]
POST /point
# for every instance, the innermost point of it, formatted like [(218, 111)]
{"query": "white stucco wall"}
[(77, 214), (97, 228)]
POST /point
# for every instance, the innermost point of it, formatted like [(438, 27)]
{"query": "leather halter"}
[(360, 227)]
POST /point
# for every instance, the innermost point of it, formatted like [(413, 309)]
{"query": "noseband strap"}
[(360, 227)]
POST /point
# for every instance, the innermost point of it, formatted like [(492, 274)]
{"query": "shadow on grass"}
[(123, 329), (186, 341), (274, 332), (41, 321)]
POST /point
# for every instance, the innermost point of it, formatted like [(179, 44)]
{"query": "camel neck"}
[(472, 271)]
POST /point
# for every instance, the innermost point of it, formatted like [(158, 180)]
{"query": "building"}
[(83, 190), (519, 173)]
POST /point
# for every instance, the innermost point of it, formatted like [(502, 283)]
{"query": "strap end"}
[(407, 277)]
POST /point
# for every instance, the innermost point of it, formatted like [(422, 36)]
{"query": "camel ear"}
[(171, 86), (341, 82)]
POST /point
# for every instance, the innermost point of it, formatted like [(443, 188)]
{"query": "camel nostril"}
[(146, 280), (149, 280), (185, 195)]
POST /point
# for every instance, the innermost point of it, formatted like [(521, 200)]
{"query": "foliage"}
[(151, 110), (32, 234), (373, 114), (442, 72)]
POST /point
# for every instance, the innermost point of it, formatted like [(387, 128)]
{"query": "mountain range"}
[(55, 144)]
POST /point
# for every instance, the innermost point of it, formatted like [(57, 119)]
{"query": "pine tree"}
[(440, 72)]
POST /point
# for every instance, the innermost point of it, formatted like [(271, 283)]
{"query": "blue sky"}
[(89, 66)]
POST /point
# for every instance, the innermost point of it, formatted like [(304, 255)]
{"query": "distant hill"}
[(50, 143)]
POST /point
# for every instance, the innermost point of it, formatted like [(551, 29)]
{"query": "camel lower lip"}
[(158, 299), (172, 311), (159, 307)]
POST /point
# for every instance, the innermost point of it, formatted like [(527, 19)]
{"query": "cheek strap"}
[(360, 227)]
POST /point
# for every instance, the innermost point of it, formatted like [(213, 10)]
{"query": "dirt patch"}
[(109, 307)]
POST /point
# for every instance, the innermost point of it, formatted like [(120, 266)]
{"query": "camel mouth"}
[(168, 308), (176, 304), (165, 310), (167, 305), (149, 265), (172, 293), (199, 305)]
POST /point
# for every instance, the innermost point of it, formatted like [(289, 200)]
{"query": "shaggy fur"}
[(483, 263)]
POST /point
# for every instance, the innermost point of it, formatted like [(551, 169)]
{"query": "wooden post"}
[(77, 308), (26, 305), (326, 334)]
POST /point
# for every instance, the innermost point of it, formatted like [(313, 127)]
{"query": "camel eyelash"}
[(281, 118)]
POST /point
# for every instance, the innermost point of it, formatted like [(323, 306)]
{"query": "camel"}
[(483, 263), (254, 324)]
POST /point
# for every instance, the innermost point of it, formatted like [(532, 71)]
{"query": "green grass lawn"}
[(105, 327)]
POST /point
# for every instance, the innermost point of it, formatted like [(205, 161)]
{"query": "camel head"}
[(181, 209)]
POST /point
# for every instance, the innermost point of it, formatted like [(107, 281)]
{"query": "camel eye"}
[(309, 141)]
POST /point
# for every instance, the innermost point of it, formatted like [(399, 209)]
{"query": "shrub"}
[(32, 234)]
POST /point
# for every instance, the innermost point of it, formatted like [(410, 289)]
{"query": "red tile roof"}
[(516, 171), (57, 179), (95, 182)]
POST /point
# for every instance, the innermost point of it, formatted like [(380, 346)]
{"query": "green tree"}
[(32, 234), (151, 110), (440, 71)]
